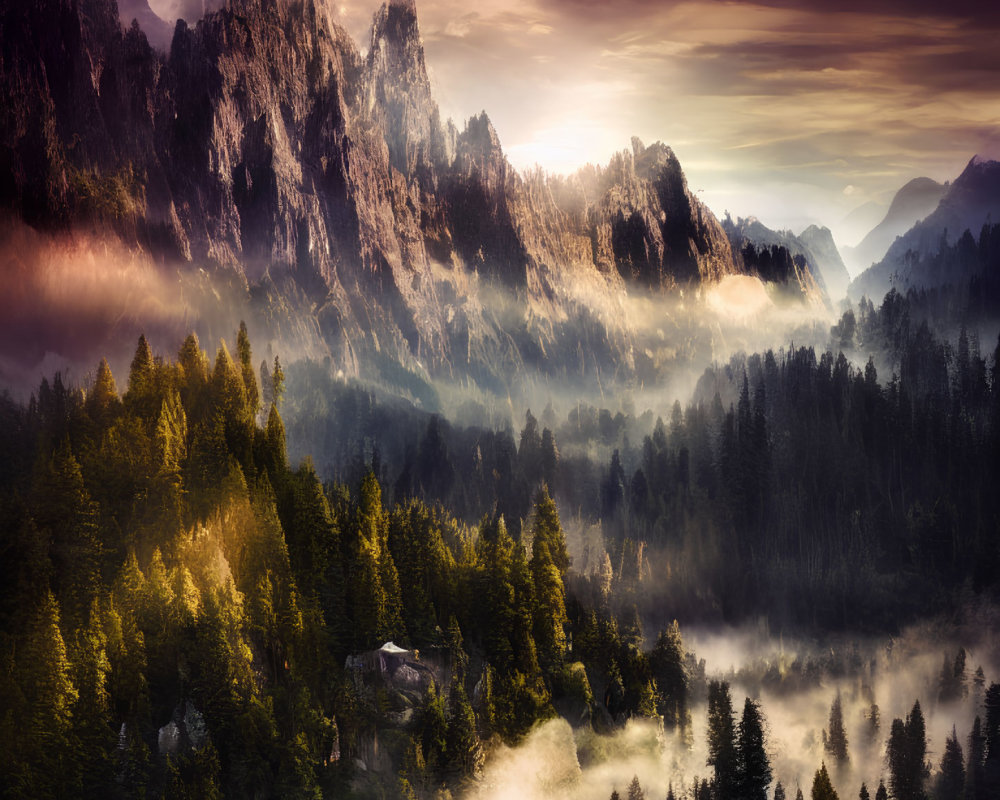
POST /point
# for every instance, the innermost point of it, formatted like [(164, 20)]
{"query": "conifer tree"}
[(905, 754), (667, 664), (170, 443), (550, 619), (991, 734), (247, 370), (141, 394), (550, 460), (863, 793), (373, 582), (951, 780), (548, 529), (278, 381), (975, 784), (266, 384), (47, 686), (753, 766), (195, 775), (835, 737), (881, 793), (464, 752), (274, 458), (64, 510), (529, 451), (822, 788), (434, 730), (635, 790), (91, 710), (722, 754), (874, 723), (495, 555), (228, 400), (193, 365), (102, 400)]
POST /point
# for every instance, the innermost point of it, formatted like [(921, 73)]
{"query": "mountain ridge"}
[(264, 143), (912, 202), (971, 201)]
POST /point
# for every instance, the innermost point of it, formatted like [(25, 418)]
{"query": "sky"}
[(791, 112), (788, 111)]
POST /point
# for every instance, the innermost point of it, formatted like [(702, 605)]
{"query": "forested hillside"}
[(184, 613), (179, 603)]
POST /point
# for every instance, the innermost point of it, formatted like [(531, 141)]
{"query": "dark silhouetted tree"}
[(835, 737), (753, 766), (951, 780), (722, 754)]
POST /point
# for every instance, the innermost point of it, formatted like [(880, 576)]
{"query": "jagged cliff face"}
[(645, 224), (264, 146)]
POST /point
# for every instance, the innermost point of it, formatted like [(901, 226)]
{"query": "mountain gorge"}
[(266, 152)]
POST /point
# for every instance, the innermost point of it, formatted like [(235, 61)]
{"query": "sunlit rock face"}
[(259, 144)]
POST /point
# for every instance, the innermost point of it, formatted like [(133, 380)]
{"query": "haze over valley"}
[(635, 436)]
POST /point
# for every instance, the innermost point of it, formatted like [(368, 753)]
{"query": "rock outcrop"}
[(826, 258), (264, 146), (777, 257)]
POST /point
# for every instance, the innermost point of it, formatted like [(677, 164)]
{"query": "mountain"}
[(826, 257), (158, 31), (913, 202), (264, 149), (777, 257), (968, 204), (859, 222)]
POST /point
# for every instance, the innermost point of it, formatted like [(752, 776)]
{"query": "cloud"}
[(771, 104)]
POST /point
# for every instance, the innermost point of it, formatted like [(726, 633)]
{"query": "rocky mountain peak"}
[(398, 91), (652, 161), (981, 174), (480, 140), (267, 149)]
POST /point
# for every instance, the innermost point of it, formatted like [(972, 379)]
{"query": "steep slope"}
[(860, 221), (644, 222), (264, 149), (819, 242), (971, 201), (911, 203), (777, 257)]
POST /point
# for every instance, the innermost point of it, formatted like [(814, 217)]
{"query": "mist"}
[(795, 683), (73, 298), (666, 342)]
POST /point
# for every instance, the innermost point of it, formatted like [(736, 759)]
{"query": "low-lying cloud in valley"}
[(795, 683)]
